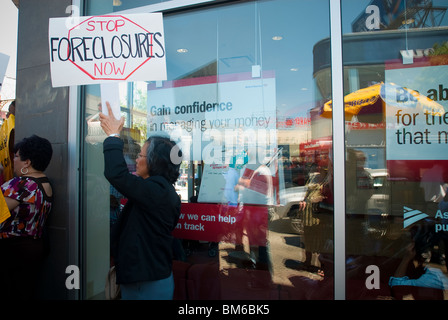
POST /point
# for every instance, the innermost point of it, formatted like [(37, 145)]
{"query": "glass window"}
[(396, 102), (108, 6), (243, 99)]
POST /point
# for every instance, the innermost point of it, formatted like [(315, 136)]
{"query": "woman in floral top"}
[(29, 198)]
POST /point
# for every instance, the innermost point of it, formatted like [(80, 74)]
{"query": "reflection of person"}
[(359, 189), (252, 190), (432, 184), (359, 185), (29, 199), (435, 191), (425, 276), (230, 189), (141, 242), (316, 226)]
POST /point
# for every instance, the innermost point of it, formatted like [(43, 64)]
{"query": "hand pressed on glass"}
[(109, 123)]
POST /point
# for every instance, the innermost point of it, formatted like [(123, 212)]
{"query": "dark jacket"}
[(141, 240)]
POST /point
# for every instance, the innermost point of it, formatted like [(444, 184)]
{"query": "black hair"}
[(36, 149), (163, 158)]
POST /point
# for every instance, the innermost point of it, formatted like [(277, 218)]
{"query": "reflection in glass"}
[(256, 183), (395, 151)]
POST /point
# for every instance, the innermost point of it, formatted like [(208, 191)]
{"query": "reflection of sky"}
[(240, 36), (231, 39), (351, 9)]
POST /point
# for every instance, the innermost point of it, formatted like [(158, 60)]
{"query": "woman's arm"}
[(11, 203)]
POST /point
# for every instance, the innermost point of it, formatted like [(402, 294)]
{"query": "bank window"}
[(256, 181), (394, 80)]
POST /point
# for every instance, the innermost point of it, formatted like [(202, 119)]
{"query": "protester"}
[(141, 241), (7, 131), (29, 197)]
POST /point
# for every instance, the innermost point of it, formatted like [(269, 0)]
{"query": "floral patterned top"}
[(28, 218)]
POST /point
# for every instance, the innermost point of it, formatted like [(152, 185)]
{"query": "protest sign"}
[(102, 49), (110, 93)]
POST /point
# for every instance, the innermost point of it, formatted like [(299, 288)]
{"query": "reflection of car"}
[(378, 204)]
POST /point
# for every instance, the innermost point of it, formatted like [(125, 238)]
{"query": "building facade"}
[(315, 137)]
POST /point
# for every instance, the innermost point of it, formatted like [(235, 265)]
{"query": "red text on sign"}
[(102, 25)]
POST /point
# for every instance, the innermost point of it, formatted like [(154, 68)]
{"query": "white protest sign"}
[(110, 93), (102, 49)]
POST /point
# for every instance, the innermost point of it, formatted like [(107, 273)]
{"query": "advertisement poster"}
[(101, 49), (217, 120), (214, 117), (217, 222), (253, 184), (416, 118)]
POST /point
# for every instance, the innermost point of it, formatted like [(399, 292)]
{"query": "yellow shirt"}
[(4, 211), (6, 161)]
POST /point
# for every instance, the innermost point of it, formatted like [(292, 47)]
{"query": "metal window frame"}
[(166, 6), (337, 91), (338, 124), (74, 176)]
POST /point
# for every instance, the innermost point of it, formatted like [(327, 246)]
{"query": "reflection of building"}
[(367, 57), (401, 14), (365, 54), (363, 68), (317, 151)]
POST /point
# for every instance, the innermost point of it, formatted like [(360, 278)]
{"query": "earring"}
[(21, 170)]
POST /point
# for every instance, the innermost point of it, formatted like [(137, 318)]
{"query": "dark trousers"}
[(20, 262)]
